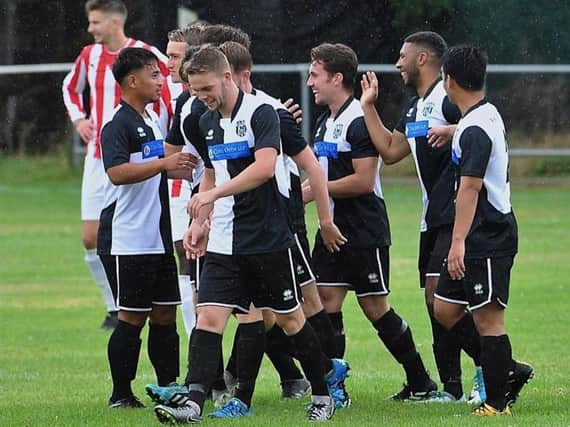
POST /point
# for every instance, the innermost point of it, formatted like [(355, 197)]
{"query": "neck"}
[(135, 102), (116, 42), (338, 102), (426, 81), (230, 101), (246, 86), (466, 100)]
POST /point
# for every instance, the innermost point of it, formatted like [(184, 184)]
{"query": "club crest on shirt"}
[(428, 108), (337, 131), (141, 132), (241, 128)]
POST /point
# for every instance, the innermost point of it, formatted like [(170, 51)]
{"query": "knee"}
[(165, 315), (291, 323), (446, 317), (374, 307), (89, 240), (208, 320)]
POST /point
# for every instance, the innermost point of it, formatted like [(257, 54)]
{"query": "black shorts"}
[(486, 280), (236, 281), (196, 266), (434, 247), (140, 281), (302, 260), (364, 270)]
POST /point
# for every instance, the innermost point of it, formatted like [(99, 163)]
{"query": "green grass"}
[(53, 368)]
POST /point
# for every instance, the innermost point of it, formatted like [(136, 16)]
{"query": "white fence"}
[(304, 96)]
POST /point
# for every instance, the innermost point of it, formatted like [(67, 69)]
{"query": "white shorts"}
[(179, 191), (92, 188)]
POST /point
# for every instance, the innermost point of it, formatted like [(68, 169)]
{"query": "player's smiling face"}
[(320, 82), (209, 88), (175, 52), (101, 25), (148, 82), (407, 64)]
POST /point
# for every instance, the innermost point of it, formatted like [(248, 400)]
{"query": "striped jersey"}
[(480, 150), (135, 219), (93, 69), (337, 142), (433, 165), (255, 221)]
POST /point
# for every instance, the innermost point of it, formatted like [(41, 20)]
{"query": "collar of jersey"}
[(236, 107), (474, 107), (430, 89), (344, 107)]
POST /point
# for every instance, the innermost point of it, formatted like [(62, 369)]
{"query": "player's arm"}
[(392, 146), (131, 173), (441, 135), (332, 237), (360, 182), (195, 239), (73, 86), (475, 150)]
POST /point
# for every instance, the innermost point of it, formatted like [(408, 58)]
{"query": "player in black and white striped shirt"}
[(476, 274)]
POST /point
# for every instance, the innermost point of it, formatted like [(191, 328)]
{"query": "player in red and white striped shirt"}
[(92, 69)]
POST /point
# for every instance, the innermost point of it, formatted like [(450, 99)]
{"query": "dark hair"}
[(190, 51), (337, 58), (430, 41), (132, 59), (466, 65), (218, 34), (107, 6), (208, 59), (238, 56)]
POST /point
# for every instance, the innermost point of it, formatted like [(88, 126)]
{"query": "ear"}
[(422, 58), (131, 81), (338, 79)]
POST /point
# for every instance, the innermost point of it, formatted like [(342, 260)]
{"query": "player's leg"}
[(163, 339), (92, 199), (186, 289), (131, 281)]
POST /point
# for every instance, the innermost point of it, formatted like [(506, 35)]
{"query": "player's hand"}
[(85, 129), (294, 109), (307, 193), (369, 85), (195, 240), (332, 237), (440, 135), (455, 260), (180, 162), (198, 201)]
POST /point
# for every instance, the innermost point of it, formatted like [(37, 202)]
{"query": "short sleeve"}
[(291, 136), (114, 144), (265, 126), (450, 111), (174, 136), (475, 152), (359, 140)]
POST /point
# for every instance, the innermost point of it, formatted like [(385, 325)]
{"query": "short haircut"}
[(429, 41), (467, 65), (194, 33), (218, 34), (190, 51), (337, 58), (132, 59), (115, 7), (208, 59), (238, 56)]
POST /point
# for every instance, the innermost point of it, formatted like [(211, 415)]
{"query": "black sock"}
[(251, 344), (496, 360), (321, 323), (339, 337), (123, 353), (231, 366), (447, 354), (164, 352), (203, 364), (219, 383), (278, 349), (311, 357), (469, 338), (397, 337)]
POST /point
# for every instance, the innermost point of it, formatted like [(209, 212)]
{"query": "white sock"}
[(98, 272), (187, 307)]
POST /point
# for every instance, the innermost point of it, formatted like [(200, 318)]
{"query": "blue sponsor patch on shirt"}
[(152, 149), (229, 151), (415, 129), (326, 149)]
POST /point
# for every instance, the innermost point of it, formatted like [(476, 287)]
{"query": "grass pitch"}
[(53, 368)]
